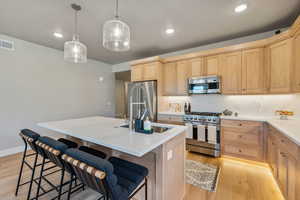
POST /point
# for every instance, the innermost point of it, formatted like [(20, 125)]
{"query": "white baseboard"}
[(11, 151)]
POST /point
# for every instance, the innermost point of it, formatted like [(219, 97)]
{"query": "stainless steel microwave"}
[(204, 85)]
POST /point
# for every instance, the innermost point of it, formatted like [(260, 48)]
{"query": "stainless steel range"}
[(203, 134)]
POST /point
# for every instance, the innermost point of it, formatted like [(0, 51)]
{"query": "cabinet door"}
[(150, 71), (280, 57), (197, 67), (170, 79), (254, 72), (287, 174), (296, 72), (137, 73), (183, 73), (272, 155), (231, 72), (211, 64)]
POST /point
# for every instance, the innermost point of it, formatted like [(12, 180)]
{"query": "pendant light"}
[(116, 33), (75, 51)]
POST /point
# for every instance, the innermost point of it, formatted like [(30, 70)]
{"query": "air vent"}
[(7, 45)]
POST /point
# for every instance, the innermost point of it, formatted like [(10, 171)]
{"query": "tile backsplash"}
[(263, 105)]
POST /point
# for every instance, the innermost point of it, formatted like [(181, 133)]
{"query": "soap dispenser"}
[(147, 124)]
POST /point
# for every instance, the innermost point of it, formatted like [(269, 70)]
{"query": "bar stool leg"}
[(61, 183), (32, 176), (146, 189), (70, 187), (40, 179), (21, 169)]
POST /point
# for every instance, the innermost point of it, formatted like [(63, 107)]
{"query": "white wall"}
[(37, 85), (254, 105), (125, 65)]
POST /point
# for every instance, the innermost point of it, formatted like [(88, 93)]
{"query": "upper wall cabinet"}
[(254, 72), (231, 72), (145, 72), (170, 79), (280, 65), (211, 64), (197, 67), (175, 76), (183, 74), (296, 55), (137, 73)]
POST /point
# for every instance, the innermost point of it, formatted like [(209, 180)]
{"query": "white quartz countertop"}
[(107, 132), (290, 127)]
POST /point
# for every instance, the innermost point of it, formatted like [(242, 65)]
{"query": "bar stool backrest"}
[(52, 149), (87, 174), (93, 171), (29, 137)]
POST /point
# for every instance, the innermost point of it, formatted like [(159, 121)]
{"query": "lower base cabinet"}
[(283, 163), (249, 140)]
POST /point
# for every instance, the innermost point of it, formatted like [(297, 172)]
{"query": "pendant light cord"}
[(117, 9), (76, 23)]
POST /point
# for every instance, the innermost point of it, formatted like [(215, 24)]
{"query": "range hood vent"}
[(7, 45)]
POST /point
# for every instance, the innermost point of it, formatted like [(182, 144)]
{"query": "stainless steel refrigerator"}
[(142, 92)]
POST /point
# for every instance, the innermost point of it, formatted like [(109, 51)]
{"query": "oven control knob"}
[(209, 120)]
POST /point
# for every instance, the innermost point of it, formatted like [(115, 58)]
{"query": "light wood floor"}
[(237, 181)]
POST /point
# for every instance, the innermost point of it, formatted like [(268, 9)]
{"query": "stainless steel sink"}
[(156, 129), (159, 129)]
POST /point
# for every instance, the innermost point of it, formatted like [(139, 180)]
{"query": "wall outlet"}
[(170, 155)]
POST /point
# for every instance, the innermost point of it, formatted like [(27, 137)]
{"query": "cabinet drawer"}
[(232, 136), (242, 151), (240, 123), (283, 142)]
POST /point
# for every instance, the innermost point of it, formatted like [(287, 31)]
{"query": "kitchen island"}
[(162, 153)]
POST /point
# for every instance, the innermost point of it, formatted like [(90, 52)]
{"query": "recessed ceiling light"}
[(240, 8), (58, 35), (170, 31)]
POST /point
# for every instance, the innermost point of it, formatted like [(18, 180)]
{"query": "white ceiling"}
[(197, 22)]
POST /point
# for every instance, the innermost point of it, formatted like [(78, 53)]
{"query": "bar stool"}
[(52, 149), (29, 137), (115, 179)]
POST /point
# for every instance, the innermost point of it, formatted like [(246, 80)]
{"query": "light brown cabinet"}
[(175, 76), (137, 73), (242, 139), (197, 67), (183, 74), (231, 72), (170, 79), (272, 154), (254, 72), (282, 156), (145, 72), (296, 56), (280, 66), (212, 64), (287, 174)]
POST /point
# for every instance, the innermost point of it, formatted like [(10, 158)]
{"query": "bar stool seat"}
[(92, 151), (130, 175)]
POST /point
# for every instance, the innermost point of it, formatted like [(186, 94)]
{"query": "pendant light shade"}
[(75, 51), (116, 34)]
